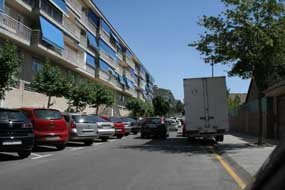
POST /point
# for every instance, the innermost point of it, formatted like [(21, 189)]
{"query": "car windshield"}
[(11, 115), (83, 119), (95, 119), (48, 114), (153, 120)]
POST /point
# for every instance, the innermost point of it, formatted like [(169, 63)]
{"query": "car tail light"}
[(72, 125), (27, 126)]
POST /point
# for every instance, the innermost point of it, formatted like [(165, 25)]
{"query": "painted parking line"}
[(229, 169), (37, 156), (77, 148)]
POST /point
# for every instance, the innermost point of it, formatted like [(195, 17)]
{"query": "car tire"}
[(60, 146), (127, 134), (104, 139), (24, 154), (119, 136), (88, 142)]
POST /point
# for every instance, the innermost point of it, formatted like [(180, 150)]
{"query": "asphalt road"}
[(127, 164)]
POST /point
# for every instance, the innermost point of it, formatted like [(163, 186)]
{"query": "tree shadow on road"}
[(178, 145)]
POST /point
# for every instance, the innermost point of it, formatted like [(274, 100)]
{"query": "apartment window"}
[(128, 53), (37, 66), (93, 18), (105, 27), (2, 5), (107, 68), (129, 83), (105, 48), (91, 39), (90, 60), (52, 11)]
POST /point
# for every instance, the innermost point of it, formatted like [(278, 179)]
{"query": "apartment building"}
[(77, 37)]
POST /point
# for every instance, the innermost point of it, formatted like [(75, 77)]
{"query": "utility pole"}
[(212, 65)]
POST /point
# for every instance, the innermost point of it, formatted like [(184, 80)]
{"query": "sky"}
[(158, 32)]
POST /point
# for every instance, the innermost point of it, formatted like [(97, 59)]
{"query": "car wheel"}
[(60, 146), (88, 142), (127, 134), (24, 154), (119, 136), (104, 139)]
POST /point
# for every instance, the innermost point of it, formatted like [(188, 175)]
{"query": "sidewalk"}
[(242, 150)]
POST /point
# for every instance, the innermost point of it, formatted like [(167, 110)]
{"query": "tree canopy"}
[(161, 106), (51, 82), (9, 67), (139, 107)]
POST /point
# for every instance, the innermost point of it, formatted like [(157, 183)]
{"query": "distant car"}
[(119, 127), (49, 126), (81, 128), (135, 127), (172, 124), (105, 128), (127, 124), (154, 127), (16, 133)]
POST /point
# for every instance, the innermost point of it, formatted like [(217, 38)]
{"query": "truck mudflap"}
[(199, 133)]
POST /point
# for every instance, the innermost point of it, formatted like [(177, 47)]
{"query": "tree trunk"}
[(49, 104), (97, 109), (260, 117)]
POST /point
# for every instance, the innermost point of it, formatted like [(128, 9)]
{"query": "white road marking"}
[(96, 144), (40, 156), (77, 148), (36, 155)]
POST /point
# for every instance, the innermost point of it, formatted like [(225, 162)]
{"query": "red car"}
[(119, 127), (49, 126)]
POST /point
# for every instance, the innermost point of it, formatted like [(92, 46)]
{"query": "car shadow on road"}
[(44, 149), (8, 157)]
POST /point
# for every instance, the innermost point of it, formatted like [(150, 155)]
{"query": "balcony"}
[(88, 24), (132, 92), (72, 56), (71, 27), (83, 41), (111, 80), (110, 60), (130, 62), (74, 4), (14, 29)]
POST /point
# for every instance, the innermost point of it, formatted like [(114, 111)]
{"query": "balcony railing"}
[(86, 21), (130, 62), (109, 59), (71, 27), (75, 5), (110, 79), (15, 27), (72, 56)]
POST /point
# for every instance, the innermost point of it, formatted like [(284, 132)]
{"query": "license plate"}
[(12, 143), (106, 127), (52, 138)]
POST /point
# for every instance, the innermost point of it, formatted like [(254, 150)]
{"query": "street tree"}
[(51, 82), (161, 106), (140, 108), (100, 95), (179, 107), (79, 95), (249, 35), (9, 68)]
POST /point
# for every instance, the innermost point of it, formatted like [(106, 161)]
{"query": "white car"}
[(172, 124)]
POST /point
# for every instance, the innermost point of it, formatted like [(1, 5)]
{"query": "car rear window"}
[(153, 120), (11, 115), (96, 119), (83, 119), (116, 120), (48, 114)]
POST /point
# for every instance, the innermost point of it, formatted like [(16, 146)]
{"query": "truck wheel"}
[(24, 154)]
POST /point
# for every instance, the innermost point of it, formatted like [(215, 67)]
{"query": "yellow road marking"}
[(230, 171)]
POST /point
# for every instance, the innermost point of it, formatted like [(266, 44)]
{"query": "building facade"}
[(75, 36)]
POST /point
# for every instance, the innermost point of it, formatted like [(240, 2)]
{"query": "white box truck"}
[(206, 110)]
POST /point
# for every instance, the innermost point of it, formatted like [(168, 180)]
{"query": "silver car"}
[(81, 128), (172, 124), (105, 128)]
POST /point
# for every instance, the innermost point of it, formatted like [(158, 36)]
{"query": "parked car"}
[(49, 126), (119, 127), (127, 125), (172, 124), (81, 128), (105, 128), (154, 127), (16, 133), (135, 128)]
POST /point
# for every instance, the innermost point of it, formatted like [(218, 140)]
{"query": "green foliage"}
[(161, 106), (250, 36), (234, 103), (78, 96), (51, 82), (140, 108), (9, 67), (100, 95), (179, 107)]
